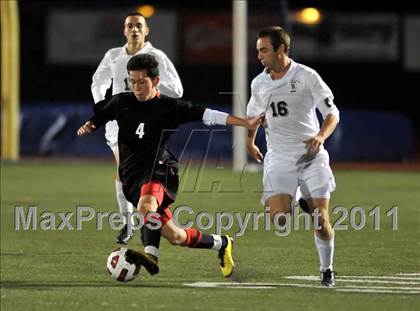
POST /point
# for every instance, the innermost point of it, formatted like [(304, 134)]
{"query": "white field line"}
[(346, 279), (378, 291), (408, 278), (272, 285), (380, 287), (247, 285), (343, 288), (250, 287), (409, 274)]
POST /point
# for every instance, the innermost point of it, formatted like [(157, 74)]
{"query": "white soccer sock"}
[(124, 206), (326, 252), (217, 244), (152, 250)]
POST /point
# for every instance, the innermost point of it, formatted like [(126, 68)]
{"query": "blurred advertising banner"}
[(348, 37), (83, 36), (412, 43), (339, 37), (208, 37)]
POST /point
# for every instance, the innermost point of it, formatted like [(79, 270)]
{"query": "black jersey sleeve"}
[(189, 112), (104, 111)]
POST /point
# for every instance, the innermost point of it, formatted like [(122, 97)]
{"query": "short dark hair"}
[(277, 37), (145, 62), (137, 14)]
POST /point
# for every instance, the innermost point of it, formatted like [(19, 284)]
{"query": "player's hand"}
[(313, 144), (255, 153), (255, 122), (86, 128)]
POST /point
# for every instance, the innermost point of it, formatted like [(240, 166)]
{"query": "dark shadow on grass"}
[(40, 254), (54, 285), (245, 275)]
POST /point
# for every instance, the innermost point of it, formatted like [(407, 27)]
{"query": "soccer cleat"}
[(328, 278), (140, 258), (226, 260), (304, 206), (124, 236)]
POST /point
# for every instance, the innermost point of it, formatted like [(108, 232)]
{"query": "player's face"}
[(266, 54), (135, 29), (143, 87)]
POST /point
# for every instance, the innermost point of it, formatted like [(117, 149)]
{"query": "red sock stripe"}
[(193, 237), (189, 234), (200, 235)]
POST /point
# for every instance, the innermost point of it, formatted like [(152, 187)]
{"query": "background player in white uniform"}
[(289, 93), (113, 70)]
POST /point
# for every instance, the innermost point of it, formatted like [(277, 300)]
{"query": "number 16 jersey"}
[(289, 104)]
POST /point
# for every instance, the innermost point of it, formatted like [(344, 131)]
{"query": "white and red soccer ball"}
[(119, 268)]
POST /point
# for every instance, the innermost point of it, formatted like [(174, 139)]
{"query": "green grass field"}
[(65, 269)]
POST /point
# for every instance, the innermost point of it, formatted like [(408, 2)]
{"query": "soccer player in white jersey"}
[(290, 93), (113, 70)]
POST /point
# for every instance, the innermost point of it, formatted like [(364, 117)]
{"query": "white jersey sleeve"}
[(256, 104), (101, 79), (327, 107), (322, 96), (170, 83), (214, 117)]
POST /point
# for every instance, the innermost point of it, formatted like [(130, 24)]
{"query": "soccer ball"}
[(119, 268)]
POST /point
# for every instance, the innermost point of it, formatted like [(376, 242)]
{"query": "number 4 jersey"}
[(144, 129), (289, 104)]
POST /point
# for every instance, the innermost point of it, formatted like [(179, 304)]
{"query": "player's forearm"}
[(328, 126), (250, 140), (103, 112), (236, 121)]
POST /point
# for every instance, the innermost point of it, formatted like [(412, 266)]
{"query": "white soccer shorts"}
[(315, 178)]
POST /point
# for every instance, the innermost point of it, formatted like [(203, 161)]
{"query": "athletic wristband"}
[(214, 117)]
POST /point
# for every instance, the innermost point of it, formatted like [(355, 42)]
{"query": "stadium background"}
[(368, 55)]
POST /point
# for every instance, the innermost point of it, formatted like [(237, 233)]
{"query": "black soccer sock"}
[(150, 237), (198, 239)]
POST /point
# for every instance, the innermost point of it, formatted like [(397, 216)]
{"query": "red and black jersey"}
[(144, 129)]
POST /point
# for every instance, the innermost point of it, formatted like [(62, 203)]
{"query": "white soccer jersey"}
[(113, 69), (289, 104)]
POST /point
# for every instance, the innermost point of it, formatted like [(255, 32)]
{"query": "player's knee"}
[(324, 226), (147, 204), (145, 208)]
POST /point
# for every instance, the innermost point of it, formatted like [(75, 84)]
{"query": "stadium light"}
[(310, 16), (146, 10)]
